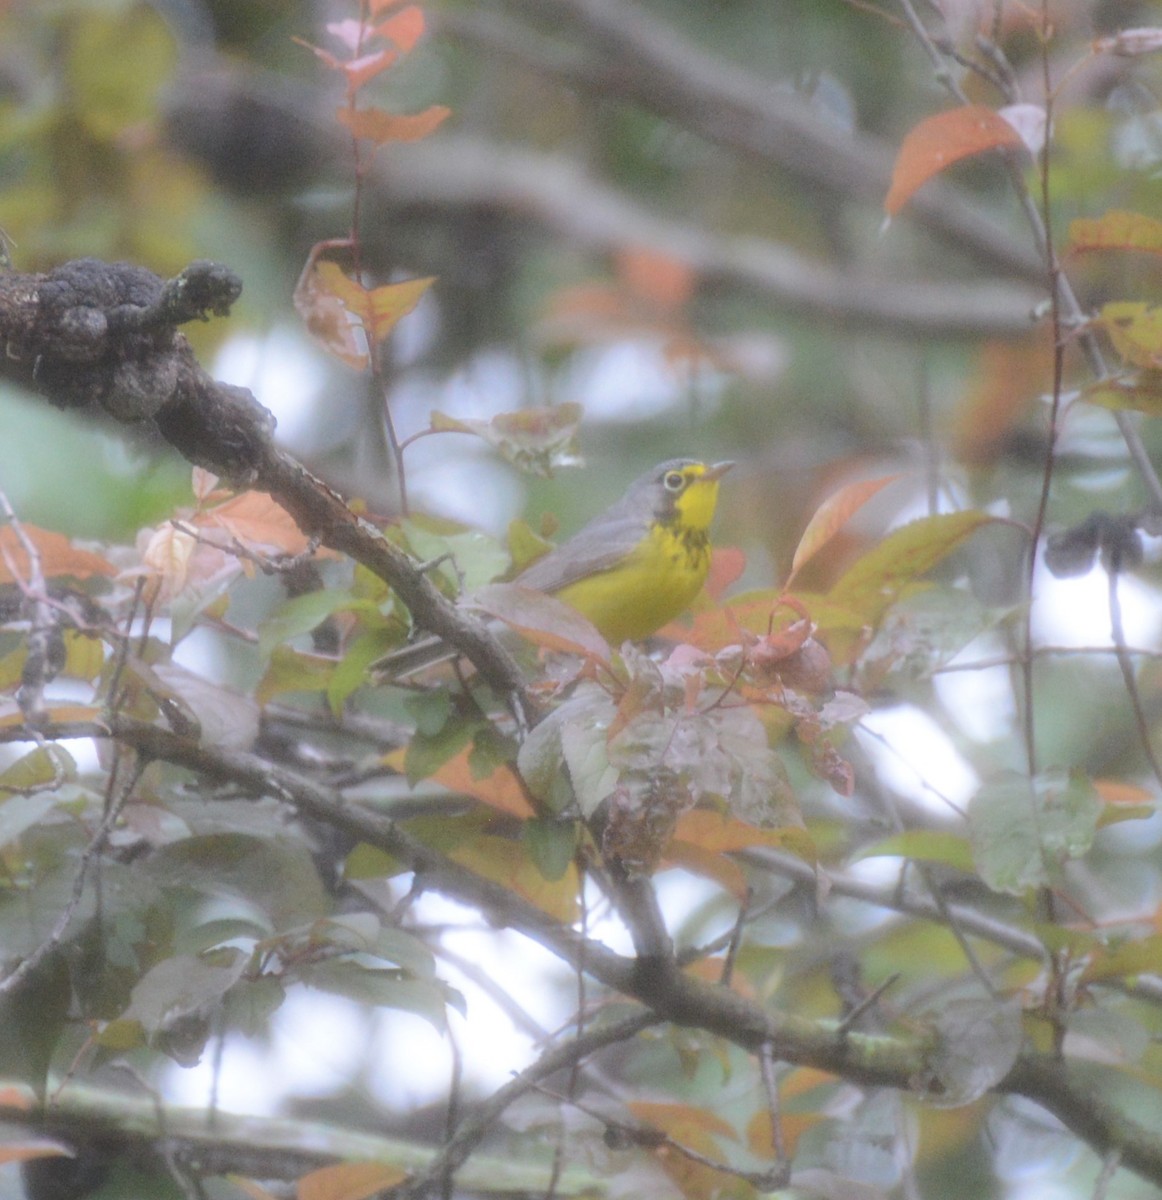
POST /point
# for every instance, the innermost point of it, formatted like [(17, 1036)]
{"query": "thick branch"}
[(102, 336)]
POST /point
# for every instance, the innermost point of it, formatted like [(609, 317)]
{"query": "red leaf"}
[(832, 515), (939, 141), (58, 556), (380, 127), (727, 564), (405, 28), (544, 620)]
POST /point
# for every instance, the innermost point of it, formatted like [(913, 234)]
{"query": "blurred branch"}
[(560, 193), (642, 59), (470, 173), (264, 1147)]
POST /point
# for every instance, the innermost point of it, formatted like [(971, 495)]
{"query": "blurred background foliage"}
[(691, 245)]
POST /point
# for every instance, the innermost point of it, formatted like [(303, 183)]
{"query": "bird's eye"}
[(674, 481)]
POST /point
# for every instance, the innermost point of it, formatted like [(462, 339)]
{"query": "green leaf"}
[(46, 766), (1022, 829), (384, 989), (925, 845), (583, 742), (275, 873), (252, 1002), (19, 813), (429, 710), (369, 862), (426, 753), (1138, 391), (406, 951), (474, 558), (572, 737), (351, 672), (289, 671), (186, 985), (123, 1034), (552, 843), (302, 614), (979, 1040), (227, 929), (874, 583)]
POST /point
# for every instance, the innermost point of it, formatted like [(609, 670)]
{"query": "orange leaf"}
[(508, 863), (832, 515), (348, 1181), (714, 831), (1115, 791), (380, 127), (663, 281), (17, 1095), (1116, 230), (1008, 376), (58, 556), (61, 714), (14, 1152), (500, 790), (259, 522), (698, 860), (792, 1126), (377, 310), (388, 304), (939, 141), (405, 28), (327, 318), (694, 1127)]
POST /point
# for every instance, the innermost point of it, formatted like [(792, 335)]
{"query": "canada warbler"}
[(631, 569)]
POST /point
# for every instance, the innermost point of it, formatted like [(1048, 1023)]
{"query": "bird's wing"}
[(596, 548)]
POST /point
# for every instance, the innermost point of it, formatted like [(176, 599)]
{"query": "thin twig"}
[(851, 1018), (771, 1087), (1118, 633), (95, 845), (477, 1125)]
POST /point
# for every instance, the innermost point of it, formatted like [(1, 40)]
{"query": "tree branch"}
[(1071, 1092), (102, 336)]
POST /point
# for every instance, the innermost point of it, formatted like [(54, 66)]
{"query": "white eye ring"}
[(674, 481)]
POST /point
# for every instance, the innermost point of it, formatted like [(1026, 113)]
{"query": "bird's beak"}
[(716, 472)]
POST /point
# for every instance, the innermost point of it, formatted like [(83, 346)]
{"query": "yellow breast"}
[(655, 583)]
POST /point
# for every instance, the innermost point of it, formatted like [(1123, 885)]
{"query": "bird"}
[(630, 570)]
